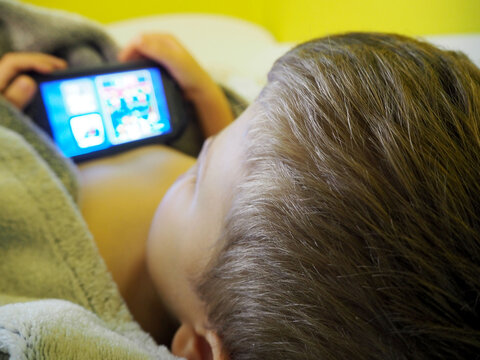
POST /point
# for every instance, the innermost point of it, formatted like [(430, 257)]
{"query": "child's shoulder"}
[(118, 197)]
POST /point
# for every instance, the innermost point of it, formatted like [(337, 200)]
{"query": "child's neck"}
[(146, 306)]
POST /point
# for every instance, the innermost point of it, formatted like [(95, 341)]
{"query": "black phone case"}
[(177, 105)]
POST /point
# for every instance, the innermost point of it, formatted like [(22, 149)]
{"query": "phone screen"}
[(92, 113)]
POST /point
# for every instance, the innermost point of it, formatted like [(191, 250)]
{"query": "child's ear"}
[(197, 345)]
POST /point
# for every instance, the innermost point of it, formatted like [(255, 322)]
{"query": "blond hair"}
[(355, 234)]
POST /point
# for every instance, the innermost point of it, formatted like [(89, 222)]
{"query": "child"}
[(337, 217)]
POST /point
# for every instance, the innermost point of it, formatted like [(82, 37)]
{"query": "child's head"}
[(339, 216)]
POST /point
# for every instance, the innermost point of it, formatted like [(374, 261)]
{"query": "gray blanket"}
[(57, 298)]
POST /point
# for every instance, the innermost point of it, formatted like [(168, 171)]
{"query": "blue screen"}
[(96, 112)]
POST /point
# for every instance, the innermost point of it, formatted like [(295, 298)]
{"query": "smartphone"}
[(96, 112)]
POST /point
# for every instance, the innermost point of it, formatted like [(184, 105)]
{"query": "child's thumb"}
[(21, 91)]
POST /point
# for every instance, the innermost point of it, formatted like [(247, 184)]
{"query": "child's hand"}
[(212, 106), (19, 88), (167, 50)]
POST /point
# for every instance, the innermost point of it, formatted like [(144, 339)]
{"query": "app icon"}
[(88, 130)]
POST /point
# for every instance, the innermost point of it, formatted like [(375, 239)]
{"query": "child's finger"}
[(166, 50), (130, 53), (157, 47), (15, 63), (56, 62), (21, 91)]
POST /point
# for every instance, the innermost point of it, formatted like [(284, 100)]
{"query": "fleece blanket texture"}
[(57, 298)]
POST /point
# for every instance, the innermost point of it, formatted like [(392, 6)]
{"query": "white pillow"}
[(235, 52), (467, 43)]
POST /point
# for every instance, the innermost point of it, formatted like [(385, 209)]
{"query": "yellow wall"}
[(296, 20)]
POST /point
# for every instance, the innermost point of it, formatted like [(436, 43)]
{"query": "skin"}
[(120, 197), (19, 88), (184, 233)]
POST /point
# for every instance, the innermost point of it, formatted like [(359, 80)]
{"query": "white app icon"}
[(88, 130), (79, 96)]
